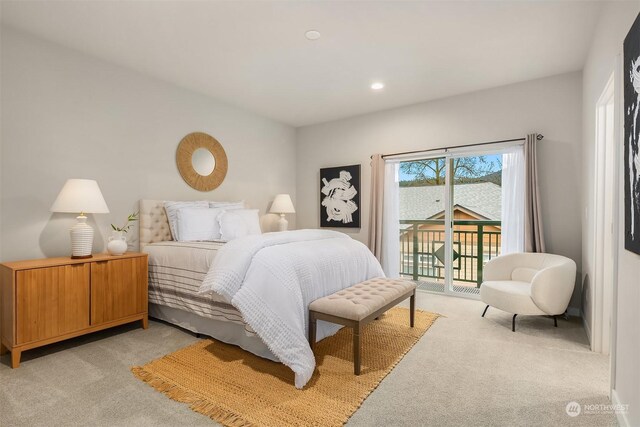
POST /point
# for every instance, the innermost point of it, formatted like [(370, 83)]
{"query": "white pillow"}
[(198, 224), (171, 209), (239, 223), (227, 205)]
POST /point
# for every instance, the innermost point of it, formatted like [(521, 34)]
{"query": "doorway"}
[(605, 200)]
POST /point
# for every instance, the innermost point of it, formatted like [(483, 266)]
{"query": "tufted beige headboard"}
[(154, 225)]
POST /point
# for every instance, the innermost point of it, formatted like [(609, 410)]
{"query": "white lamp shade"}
[(282, 204), (80, 195)]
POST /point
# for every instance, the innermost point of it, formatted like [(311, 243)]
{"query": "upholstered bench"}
[(360, 304)]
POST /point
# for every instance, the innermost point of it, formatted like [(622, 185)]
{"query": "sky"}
[(492, 157)]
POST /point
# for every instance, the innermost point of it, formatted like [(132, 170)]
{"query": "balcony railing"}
[(422, 250)]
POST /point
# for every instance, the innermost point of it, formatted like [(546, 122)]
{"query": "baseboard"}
[(586, 327), (621, 416), (574, 311)]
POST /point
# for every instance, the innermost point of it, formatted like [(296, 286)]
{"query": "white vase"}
[(117, 243)]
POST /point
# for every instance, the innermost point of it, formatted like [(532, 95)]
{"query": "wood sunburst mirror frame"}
[(184, 158)]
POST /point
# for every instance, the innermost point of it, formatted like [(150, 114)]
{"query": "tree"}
[(465, 169)]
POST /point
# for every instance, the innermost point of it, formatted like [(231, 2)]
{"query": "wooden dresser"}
[(48, 300)]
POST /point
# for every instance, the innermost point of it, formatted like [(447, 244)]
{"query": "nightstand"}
[(53, 299)]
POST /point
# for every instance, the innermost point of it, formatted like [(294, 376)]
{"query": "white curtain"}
[(390, 258), (513, 194)]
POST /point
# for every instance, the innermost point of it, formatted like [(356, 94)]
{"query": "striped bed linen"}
[(176, 271)]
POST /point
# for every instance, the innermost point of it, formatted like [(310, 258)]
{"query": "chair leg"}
[(356, 349), (312, 331), (513, 323), (555, 321), (485, 310), (412, 309)]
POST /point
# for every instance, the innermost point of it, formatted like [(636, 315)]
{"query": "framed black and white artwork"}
[(631, 78), (340, 197)]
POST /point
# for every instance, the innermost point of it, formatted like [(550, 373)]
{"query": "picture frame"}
[(340, 197), (631, 79)]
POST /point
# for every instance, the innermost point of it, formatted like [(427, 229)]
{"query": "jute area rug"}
[(236, 388)]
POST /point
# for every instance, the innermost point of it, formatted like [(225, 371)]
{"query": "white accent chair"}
[(528, 283)]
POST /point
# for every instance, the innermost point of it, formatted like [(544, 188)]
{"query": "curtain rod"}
[(538, 137)]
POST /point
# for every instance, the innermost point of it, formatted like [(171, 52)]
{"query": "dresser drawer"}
[(118, 289), (51, 301)]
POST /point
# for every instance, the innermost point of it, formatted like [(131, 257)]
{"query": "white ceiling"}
[(254, 54)]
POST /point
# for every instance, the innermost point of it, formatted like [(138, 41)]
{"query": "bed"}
[(253, 291), (176, 271)]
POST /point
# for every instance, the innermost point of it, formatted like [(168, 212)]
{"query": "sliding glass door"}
[(423, 202), (450, 220), (476, 204)]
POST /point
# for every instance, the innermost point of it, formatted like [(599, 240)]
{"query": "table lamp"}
[(282, 204), (80, 196)]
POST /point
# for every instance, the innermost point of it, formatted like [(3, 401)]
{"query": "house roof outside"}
[(483, 198)]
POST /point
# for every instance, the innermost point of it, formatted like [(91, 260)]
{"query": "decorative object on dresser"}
[(118, 242), (282, 205), (202, 162), (80, 196), (340, 197), (48, 300)]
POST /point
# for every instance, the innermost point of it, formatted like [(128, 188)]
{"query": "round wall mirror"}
[(201, 161)]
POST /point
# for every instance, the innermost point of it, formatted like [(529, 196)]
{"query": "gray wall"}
[(615, 21), (551, 106), (68, 115)]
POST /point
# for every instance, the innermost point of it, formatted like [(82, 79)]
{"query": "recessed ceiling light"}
[(377, 86), (312, 35)]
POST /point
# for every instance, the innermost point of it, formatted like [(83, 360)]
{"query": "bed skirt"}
[(228, 332)]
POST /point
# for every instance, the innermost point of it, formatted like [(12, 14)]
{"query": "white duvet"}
[(271, 279)]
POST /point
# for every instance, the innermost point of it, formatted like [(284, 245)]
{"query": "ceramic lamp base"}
[(283, 224), (81, 239)]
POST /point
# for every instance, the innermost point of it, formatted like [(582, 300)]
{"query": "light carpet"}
[(236, 388), (466, 371)]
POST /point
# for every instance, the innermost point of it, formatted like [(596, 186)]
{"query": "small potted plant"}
[(118, 242)]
